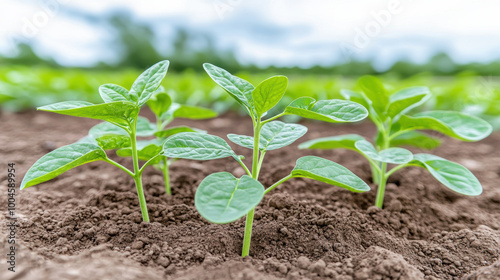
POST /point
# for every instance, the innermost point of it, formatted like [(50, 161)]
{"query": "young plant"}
[(122, 126), (396, 128), (222, 198)]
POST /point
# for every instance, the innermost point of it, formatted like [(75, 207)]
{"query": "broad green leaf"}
[(375, 91), (333, 110), (61, 160), (391, 155), (242, 140), (451, 174), (454, 124), (222, 198), (276, 134), (193, 112), (335, 142), (112, 93), (177, 129), (238, 88), (329, 172), (416, 139), (147, 83), (268, 93), (407, 99), (146, 149), (197, 146), (106, 128), (355, 97), (109, 136), (114, 112), (145, 127), (159, 103)]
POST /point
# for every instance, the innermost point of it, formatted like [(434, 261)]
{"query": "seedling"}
[(396, 128), (222, 198), (120, 111)]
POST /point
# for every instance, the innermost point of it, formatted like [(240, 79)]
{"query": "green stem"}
[(262, 154), (379, 200), (138, 177), (255, 175), (394, 170), (273, 118), (277, 184), (166, 176), (108, 160)]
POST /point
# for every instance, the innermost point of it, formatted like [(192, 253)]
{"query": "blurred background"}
[(56, 50)]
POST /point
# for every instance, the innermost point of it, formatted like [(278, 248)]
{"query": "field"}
[(87, 220)]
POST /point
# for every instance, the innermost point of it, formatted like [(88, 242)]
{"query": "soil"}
[(86, 224)]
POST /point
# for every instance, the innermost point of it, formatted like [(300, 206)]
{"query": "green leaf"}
[(146, 149), (268, 93), (222, 198), (197, 146), (451, 174), (333, 110), (109, 136), (454, 124), (193, 112), (113, 142), (112, 93), (335, 142), (114, 112), (144, 127), (355, 97), (177, 129), (238, 88), (375, 91), (159, 103), (5, 97), (147, 83), (391, 155), (407, 99), (416, 139), (106, 128), (242, 140), (61, 160), (329, 172)]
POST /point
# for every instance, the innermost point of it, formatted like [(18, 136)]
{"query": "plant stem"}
[(108, 160), (255, 175), (277, 183), (166, 176), (138, 177), (379, 201)]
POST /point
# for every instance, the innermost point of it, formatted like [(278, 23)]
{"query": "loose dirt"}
[(86, 224)]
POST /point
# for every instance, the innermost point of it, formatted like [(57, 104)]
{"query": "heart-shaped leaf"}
[(197, 146), (147, 83), (333, 110), (454, 124), (375, 91), (119, 112), (176, 129), (407, 99), (61, 160), (391, 155), (327, 171), (238, 88), (334, 142), (451, 174), (416, 139), (112, 93), (194, 113), (159, 103), (222, 198), (268, 93)]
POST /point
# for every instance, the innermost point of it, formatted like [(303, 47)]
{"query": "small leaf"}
[(112, 93), (407, 99), (333, 110), (327, 171), (113, 142), (238, 88), (177, 129), (159, 103), (454, 124), (114, 112), (242, 140), (147, 83), (375, 91), (391, 155), (276, 134), (146, 149), (197, 146), (222, 198), (416, 139), (268, 93), (109, 136), (61, 160), (194, 113), (335, 142), (451, 174)]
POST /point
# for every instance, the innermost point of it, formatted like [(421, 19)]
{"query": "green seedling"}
[(397, 128), (120, 110), (222, 198)]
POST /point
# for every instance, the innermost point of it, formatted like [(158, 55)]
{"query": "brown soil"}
[(86, 224)]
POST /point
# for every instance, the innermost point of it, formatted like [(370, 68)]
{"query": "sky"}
[(272, 32)]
